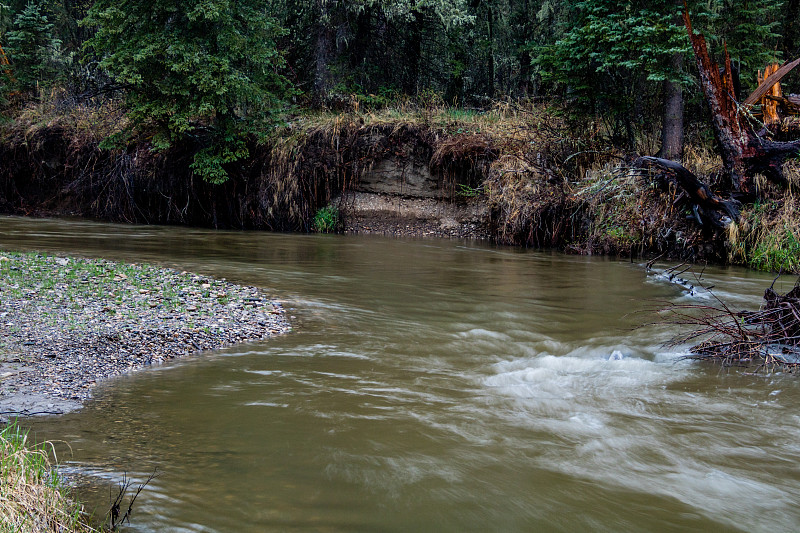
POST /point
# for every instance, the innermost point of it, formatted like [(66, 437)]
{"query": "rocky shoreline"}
[(67, 323)]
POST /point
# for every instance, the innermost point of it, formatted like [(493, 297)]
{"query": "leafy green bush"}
[(208, 72)]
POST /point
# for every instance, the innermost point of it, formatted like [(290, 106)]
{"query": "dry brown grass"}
[(33, 498), (86, 121), (701, 160)]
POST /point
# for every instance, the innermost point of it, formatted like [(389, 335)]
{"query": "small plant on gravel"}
[(326, 220), (111, 317)]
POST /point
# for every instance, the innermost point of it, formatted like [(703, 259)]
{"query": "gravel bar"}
[(67, 323)]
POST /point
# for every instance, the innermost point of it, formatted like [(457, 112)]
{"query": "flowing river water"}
[(432, 386)]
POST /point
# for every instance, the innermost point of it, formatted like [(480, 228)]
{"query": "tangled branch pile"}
[(768, 339)]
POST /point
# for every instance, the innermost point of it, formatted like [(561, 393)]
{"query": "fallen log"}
[(706, 205)]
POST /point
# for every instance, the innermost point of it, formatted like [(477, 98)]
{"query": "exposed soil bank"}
[(518, 176), (69, 323), (387, 214), (56, 168)]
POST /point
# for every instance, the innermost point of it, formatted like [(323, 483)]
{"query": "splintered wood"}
[(769, 102), (769, 94)]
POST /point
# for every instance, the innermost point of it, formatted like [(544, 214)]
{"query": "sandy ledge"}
[(391, 215), (67, 323)]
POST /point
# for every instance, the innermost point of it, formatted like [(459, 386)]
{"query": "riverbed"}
[(432, 385)]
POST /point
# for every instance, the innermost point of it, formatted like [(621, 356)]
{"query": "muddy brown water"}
[(432, 386)]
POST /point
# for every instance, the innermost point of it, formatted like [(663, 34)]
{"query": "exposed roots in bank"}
[(545, 185), (54, 166), (767, 339)]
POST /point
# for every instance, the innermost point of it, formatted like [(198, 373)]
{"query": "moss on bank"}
[(33, 496), (547, 183)]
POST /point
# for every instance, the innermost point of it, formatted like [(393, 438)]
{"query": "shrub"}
[(326, 220)]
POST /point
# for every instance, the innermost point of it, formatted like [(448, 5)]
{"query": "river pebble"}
[(67, 323)]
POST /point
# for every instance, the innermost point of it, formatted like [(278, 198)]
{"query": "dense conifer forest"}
[(218, 70)]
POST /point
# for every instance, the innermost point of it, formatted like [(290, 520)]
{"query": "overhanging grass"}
[(549, 182), (768, 235), (33, 497)]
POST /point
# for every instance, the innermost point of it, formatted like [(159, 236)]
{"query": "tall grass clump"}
[(326, 220), (768, 236), (33, 497)]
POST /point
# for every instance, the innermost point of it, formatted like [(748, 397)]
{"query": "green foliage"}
[(465, 191), (209, 73), (779, 252), (768, 237), (450, 12), (611, 48), (620, 236), (612, 53), (749, 28), (326, 220), (32, 50)]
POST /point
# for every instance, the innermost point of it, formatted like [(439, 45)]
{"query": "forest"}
[(448, 385), (221, 69), (211, 82)]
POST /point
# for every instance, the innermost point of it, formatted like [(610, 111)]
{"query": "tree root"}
[(706, 206)]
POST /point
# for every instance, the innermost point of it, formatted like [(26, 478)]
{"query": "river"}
[(432, 386)]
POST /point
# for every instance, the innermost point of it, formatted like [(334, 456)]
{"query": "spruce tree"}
[(205, 70), (31, 48), (614, 55)]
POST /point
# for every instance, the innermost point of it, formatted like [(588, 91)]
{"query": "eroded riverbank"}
[(69, 322)]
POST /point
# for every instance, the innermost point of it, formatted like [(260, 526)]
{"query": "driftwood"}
[(765, 339)]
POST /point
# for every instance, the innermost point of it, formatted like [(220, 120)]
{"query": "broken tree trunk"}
[(744, 151)]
